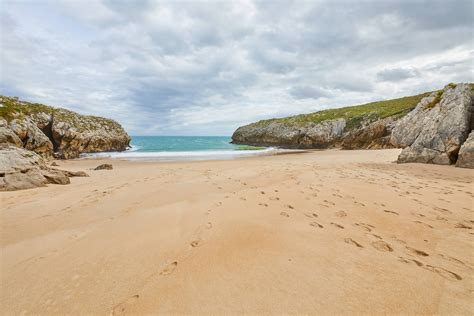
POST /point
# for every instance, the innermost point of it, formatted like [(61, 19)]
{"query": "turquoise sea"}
[(183, 148)]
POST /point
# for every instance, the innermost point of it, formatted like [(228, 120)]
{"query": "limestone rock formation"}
[(435, 130), (466, 154), (7, 136), (53, 131), (31, 136), (23, 169), (431, 127), (374, 135), (280, 134)]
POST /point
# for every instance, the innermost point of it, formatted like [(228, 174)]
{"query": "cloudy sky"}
[(206, 67)]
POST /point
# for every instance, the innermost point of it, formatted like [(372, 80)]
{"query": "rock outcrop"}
[(31, 134), (23, 169), (280, 134), (466, 153), (435, 130), (58, 132), (375, 135), (366, 126), (431, 127)]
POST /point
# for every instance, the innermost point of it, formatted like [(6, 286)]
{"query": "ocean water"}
[(172, 148)]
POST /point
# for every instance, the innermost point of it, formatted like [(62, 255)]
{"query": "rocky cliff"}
[(57, 132), (31, 134), (436, 129), (431, 127)]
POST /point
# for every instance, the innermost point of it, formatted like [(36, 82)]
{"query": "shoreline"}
[(332, 231), (189, 156)]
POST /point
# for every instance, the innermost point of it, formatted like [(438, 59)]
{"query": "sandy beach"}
[(322, 232)]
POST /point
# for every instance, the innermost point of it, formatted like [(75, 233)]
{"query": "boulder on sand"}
[(105, 166), (24, 169)]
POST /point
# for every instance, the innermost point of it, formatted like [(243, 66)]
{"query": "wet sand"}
[(316, 233)]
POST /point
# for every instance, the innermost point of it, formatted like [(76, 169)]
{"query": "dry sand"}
[(319, 233)]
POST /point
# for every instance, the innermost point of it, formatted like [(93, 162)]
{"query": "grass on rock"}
[(354, 115)]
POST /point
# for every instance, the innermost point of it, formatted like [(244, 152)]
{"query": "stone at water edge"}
[(105, 166)]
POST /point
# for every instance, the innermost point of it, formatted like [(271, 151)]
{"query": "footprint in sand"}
[(124, 307), (310, 215), (381, 245), (329, 202), (196, 243), (417, 252), (337, 225), (461, 225), (285, 214), (424, 224), (351, 241), (391, 212), (168, 268), (367, 227), (444, 273), (316, 224), (373, 235), (208, 225), (340, 214)]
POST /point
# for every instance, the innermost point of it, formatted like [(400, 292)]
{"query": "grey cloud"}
[(396, 74), (307, 92)]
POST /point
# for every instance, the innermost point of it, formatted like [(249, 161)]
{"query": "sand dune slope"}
[(321, 232)]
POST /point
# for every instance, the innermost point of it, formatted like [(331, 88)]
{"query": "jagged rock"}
[(435, 130), (67, 134), (23, 169), (56, 177), (365, 126), (54, 164), (321, 135), (7, 136), (105, 166), (32, 137), (375, 135), (75, 173), (466, 154), (20, 169), (75, 134)]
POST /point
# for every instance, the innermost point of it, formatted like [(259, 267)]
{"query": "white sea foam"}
[(182, 155)]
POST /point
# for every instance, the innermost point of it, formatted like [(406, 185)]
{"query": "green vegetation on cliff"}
[(354, 115), (12, 108)]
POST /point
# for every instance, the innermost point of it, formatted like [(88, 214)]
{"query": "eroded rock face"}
[(321, 135), (74, 134), (52, 131), (32, 137), (23, 169), (466, 154), (375, 135), (435, 130), (7, 136)]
